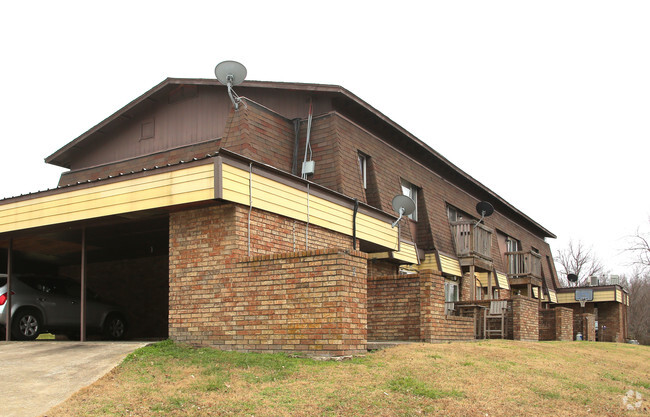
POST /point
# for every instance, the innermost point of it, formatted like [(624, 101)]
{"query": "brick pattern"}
[(610, 314), (611, 322), (435, 325), (309, 301), (394, 308), (173, 156), (378, 268), (556, 324), (525, 318)]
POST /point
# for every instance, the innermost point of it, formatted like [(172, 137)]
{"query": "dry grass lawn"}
[(488, 378)]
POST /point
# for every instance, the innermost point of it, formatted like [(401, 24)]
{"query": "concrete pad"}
[(38, 375)]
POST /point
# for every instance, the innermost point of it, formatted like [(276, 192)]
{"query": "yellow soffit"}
[(502, 279), (223, 178), (450, 266), (117, 196), (407, 253)]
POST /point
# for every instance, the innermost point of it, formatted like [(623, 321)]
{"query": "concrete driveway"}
[(36, 376)]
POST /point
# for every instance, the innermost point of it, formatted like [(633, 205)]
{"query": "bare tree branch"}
[(579, 260)]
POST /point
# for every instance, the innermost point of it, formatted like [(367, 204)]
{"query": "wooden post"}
[(472, 280), (489, 279), (8, 302), (82, 331)]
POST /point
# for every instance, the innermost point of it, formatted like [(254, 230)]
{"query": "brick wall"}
[(378, 267), (611, 322), (525, 318), (394, 308), (556, 324), (278, 299), (434, 324), (610, 314)]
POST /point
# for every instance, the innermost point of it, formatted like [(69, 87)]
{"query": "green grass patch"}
[(412, 386)]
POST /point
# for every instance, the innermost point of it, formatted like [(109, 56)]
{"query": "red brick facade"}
[(556, 324), (525, 318), (394, 308), (611, 317), (262, 283), (435, 325), (277, 299)]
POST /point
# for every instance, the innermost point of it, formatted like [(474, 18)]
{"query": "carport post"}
[(8, 302), (82, 332)]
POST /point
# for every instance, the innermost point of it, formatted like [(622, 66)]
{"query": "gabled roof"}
[(348, 102)]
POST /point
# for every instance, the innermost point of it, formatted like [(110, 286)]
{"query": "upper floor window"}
[(512, 245), (411, 190), (454, 214), (363, 167)]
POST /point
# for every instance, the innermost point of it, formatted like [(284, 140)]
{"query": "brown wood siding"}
[(184, 121), (389, 166)]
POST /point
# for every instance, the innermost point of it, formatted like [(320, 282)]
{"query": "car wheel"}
[(26, 325), (114, 327)]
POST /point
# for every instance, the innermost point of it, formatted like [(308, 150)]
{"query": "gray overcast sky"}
[(547, 103)]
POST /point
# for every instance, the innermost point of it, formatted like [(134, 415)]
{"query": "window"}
[(514, 264), (451, 296), (411, 190), (451, 292), (452, 213), (363, 167)]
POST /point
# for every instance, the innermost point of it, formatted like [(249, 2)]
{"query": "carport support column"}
[(8, 303), (82, 332)]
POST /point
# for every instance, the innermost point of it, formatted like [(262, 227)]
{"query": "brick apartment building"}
[(195, 218)]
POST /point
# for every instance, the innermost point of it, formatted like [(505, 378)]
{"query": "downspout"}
[(354, 224), (250, 204)]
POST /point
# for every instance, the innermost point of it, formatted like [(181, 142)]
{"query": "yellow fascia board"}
[(450, 265), (429, 262), (407, 253), (246, 187), (503, 281), (115, 197)]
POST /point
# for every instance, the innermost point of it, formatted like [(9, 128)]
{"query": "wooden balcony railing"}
[(472, 240), (521, 264)]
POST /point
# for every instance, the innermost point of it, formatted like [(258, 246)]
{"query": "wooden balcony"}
[(524, 264), (471, 240)]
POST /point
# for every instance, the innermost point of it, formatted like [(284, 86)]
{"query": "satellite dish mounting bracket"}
[(231, 73), (403, 205)]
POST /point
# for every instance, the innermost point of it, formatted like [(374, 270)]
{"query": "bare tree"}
[(640, 247), (639, 309), (580, 260)]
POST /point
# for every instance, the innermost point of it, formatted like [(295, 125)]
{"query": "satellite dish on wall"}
[(485, 209), (572, 278), (231, 73), (404, 205)]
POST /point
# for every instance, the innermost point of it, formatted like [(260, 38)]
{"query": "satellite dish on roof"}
[(572, 278), (231, 73), (485, 209), (404, 205)]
